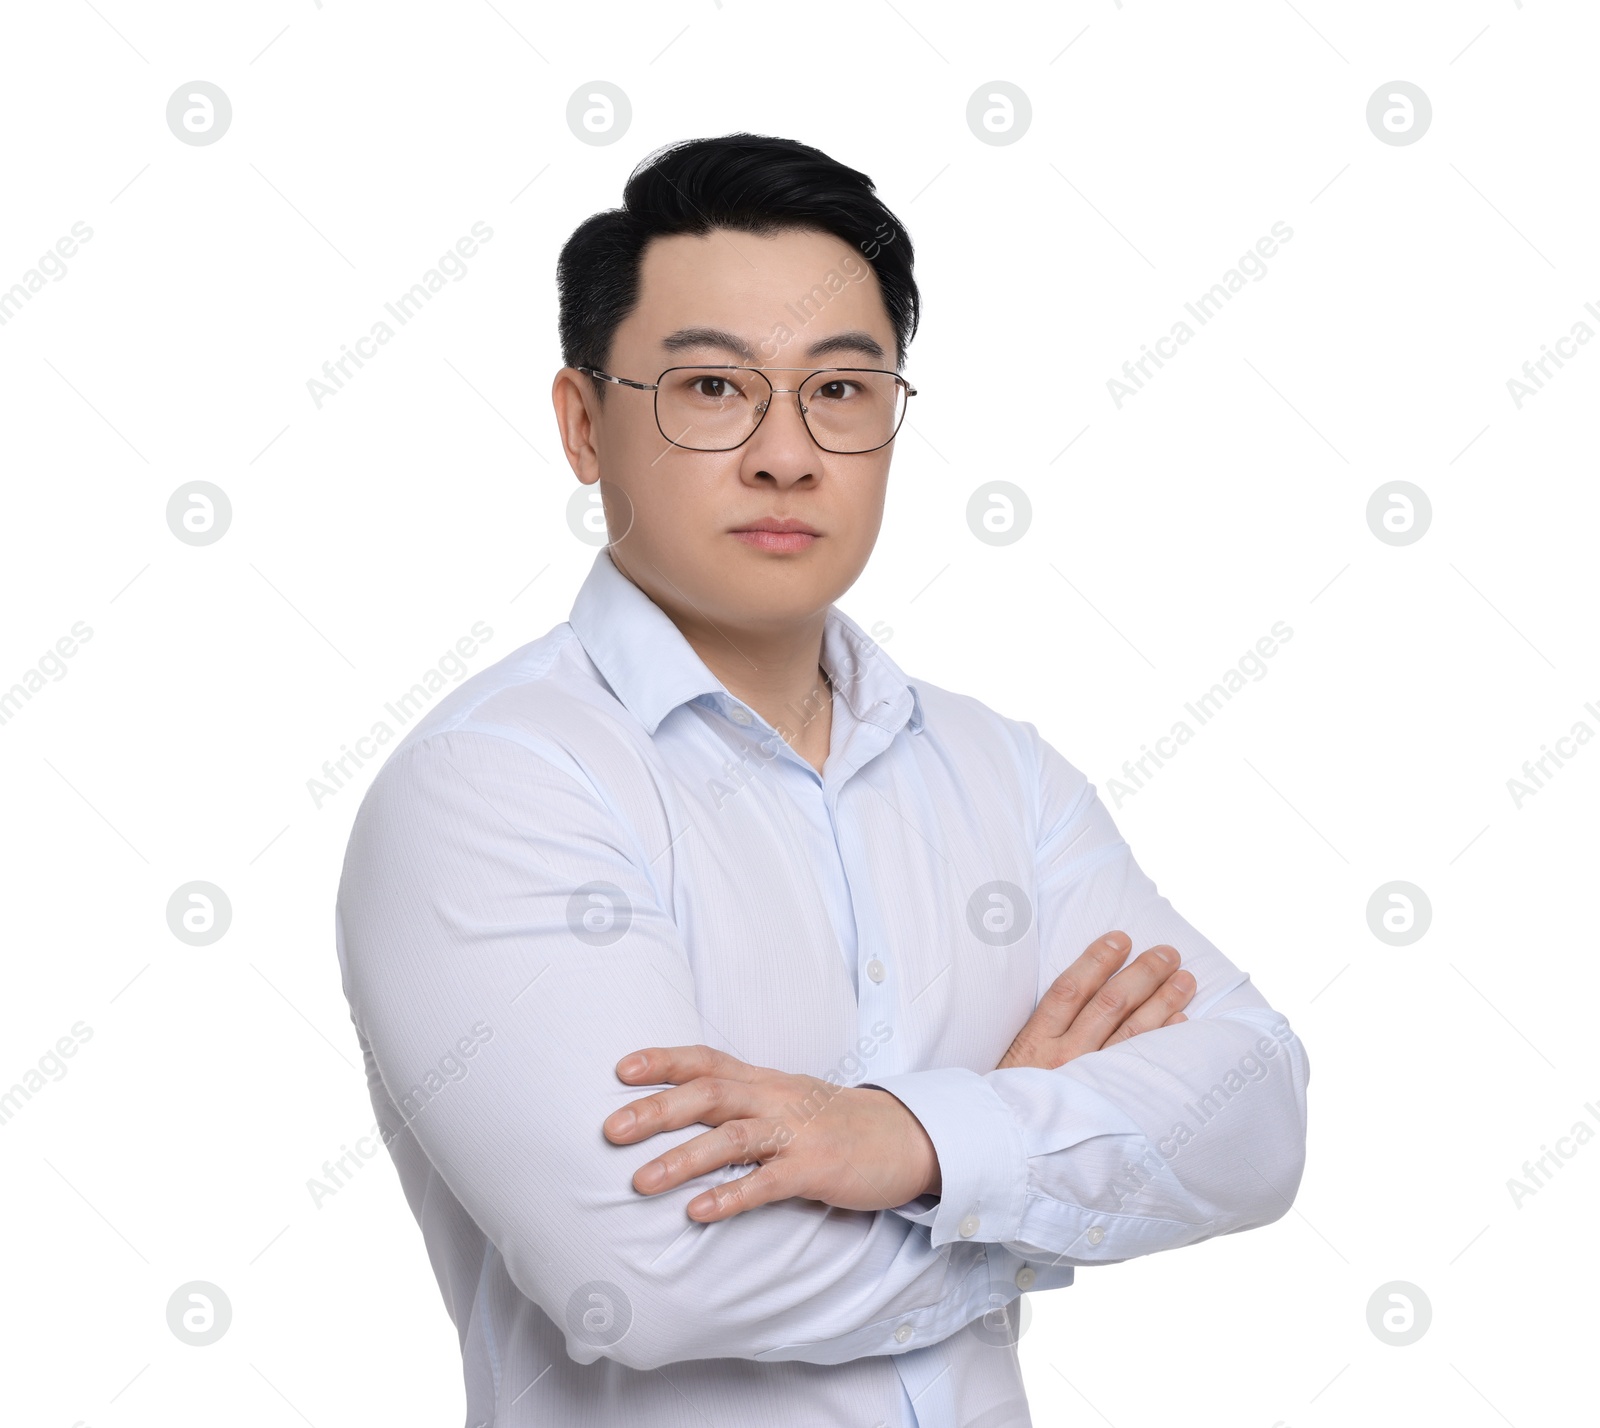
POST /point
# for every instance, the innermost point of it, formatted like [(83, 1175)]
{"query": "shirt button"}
[(902, 1333), (969, 1226), (1096, 1234), (739, 714), (1025, 1277), (876, 970)]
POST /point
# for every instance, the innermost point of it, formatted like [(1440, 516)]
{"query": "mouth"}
[(777, 536)]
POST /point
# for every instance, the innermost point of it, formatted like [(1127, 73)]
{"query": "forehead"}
[(701, 290)]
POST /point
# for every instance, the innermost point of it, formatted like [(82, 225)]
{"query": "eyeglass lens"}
[(716, 408)]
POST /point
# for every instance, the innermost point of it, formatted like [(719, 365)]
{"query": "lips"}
[(764, 537), (786, 526)]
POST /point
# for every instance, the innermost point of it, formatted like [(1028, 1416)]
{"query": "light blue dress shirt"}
[(591, 847)]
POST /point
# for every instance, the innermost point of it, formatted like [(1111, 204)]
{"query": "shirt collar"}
[(652, 669)]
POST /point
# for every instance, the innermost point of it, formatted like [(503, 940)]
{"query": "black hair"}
[(751, 182)]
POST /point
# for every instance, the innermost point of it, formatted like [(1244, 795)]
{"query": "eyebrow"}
[(688, 337)]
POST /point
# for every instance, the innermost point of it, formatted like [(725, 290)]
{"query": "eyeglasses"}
[(847, 410)]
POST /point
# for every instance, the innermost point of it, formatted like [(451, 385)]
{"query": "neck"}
[(777, 671)]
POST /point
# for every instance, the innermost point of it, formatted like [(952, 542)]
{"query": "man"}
[(775, 994)]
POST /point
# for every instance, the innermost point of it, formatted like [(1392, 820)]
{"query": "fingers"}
[(680, 1063), (1118, 999), (759, 1187), (736, 1143), (1159, 1008), (706, 1099), (1070, 992)]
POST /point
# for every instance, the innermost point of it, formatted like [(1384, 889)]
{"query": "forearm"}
[(1158, 1141)]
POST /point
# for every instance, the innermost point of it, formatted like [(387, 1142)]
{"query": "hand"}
[(1082, 1011), (853, 1147)]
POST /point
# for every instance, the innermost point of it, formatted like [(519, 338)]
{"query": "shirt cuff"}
[(983, 1169)]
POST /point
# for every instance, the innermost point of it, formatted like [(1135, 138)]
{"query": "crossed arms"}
[(455, 894)]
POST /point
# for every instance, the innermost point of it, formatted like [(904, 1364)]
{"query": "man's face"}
[(795, 299)]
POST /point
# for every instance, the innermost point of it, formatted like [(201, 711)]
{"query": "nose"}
[(781, 445)]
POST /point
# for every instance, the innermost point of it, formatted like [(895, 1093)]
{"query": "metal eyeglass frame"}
[(810, 372)]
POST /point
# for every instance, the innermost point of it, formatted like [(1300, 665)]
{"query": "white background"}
[(1230, 493)]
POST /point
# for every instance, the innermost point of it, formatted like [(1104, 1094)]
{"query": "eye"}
[(837, 390), (713, 387)]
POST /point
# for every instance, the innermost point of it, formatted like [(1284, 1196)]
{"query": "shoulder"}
[(538, 737), (984, 736)]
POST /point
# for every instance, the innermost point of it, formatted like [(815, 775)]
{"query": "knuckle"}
[(1066, 988), (1109, 1000)]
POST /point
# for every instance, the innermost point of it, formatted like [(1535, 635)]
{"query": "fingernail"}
[(630, 1066), (623, 1122), (1118, 941), (651, 1175), (1165, 957), (702, 1204)]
